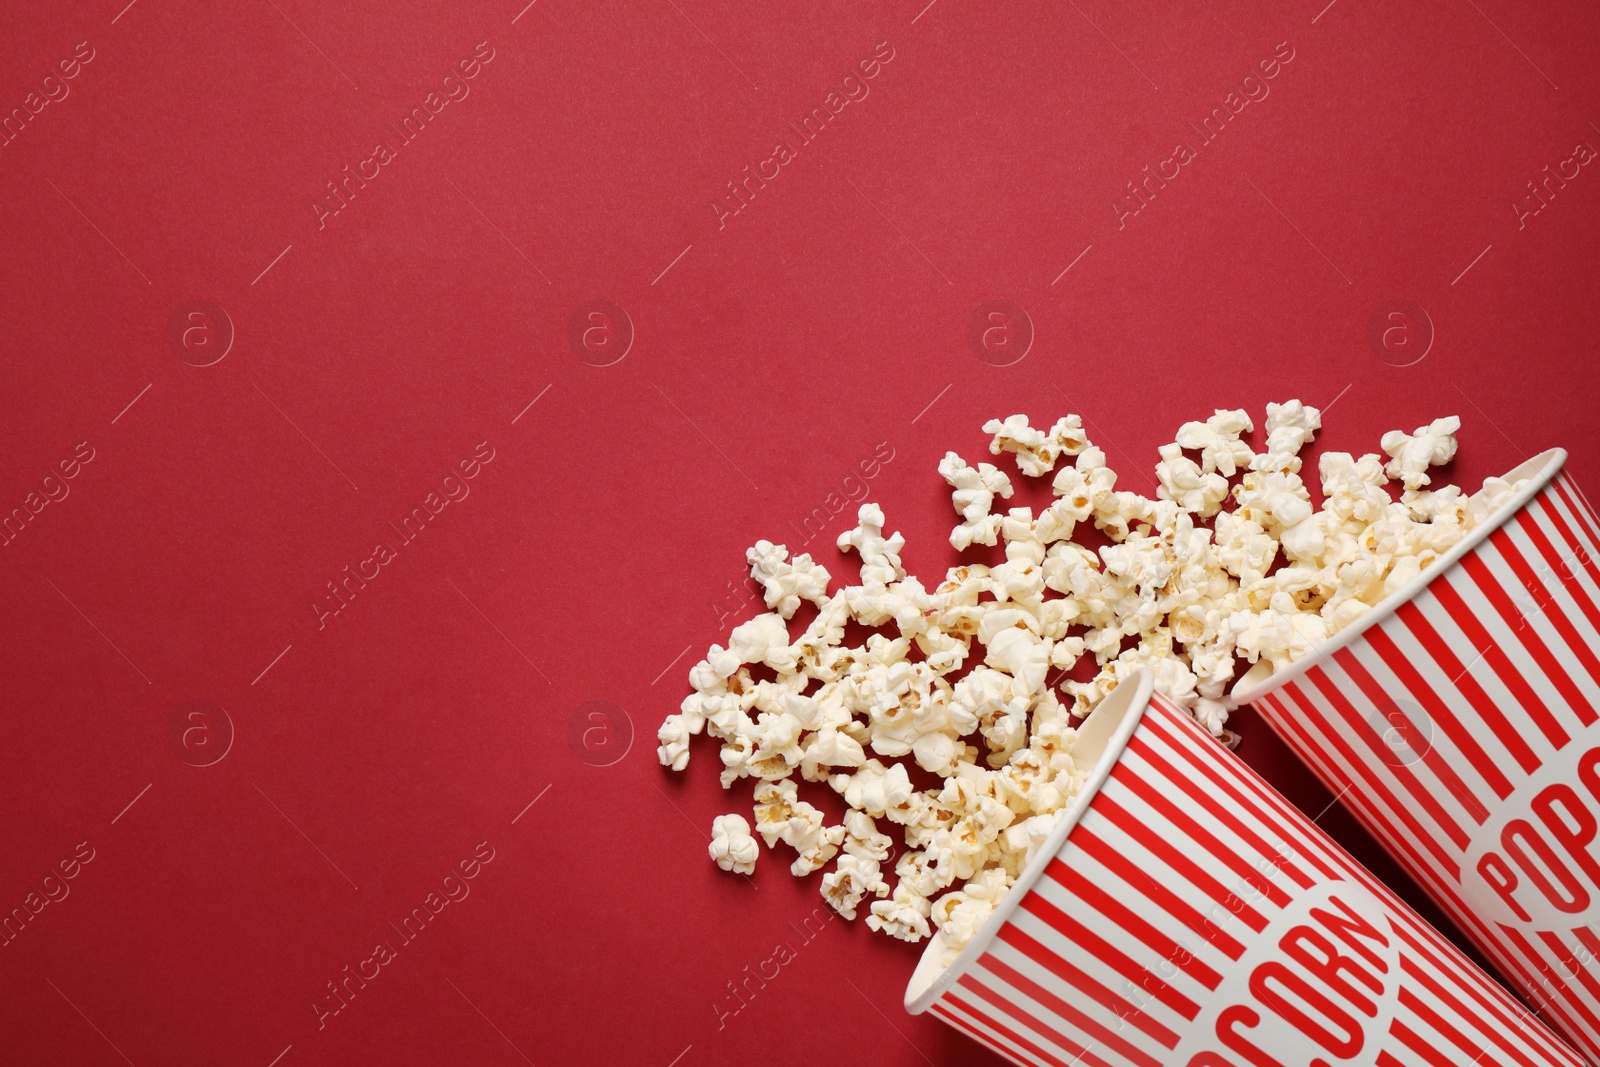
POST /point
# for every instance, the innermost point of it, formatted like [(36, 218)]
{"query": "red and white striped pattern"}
[(1491, 674), (1167, 914)]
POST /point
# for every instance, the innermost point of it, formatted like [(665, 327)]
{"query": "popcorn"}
[(1217, 441), (733, 847), (975, 489), (847, 884), (764, 639), (961, 914), (1036, 450), (977, 678), (787, 583), (780, 816), (1410, 455), (674, 738), (1290, 428), (880, 556), (905, 915), (1187, 484)]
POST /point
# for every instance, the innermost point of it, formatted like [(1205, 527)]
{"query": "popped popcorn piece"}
[(880, 556), (904, 915), (1290, 428), (733, 847), (1217, 441), (1187, 484), (975, 489), (787, 583), (674, 738), (850, 881), (764, 639), (959, 915), (1037, 451), (1410, 455), (781, 816)]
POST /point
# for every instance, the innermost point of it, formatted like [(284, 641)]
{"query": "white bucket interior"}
[(1261, 679), (1101, 738)]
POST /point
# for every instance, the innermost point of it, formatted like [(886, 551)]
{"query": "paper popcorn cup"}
[(1458, 721), (1185, 915)]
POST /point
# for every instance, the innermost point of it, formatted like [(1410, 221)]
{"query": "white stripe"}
[(994, 1040), (1134, 895), (1069, 992), (1564, 590), (1438, 747), (1436, 681), (1077, 1039), (1209, 862), (1480, 669), (1096, 968), (1197, 795), (1461, 972), (1536, 623), (1369, 810), (1513, 641)]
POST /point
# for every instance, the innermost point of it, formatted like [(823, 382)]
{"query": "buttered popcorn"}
[(979, 679)]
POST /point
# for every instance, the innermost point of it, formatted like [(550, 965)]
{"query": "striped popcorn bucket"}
[(1185, 915), (1458, 722)]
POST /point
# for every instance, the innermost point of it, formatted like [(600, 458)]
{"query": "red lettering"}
[(1351, 927), (1322, 960), (1573, 825), (1342, 1045), (1589, 773), (1517, 839), (1503, 880), (1227, 1033)]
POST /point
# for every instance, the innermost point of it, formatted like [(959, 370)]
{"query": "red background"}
[(772, 356)]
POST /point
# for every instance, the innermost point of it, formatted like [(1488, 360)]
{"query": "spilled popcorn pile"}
[(1182, 585)]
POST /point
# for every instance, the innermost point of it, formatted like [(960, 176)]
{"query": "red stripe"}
[(1582, 552), (967, 1028), (1516, 958), (1586, 603), (1434, 760), (1334, 862), (1467, 978), (1488, 710), (1578, 504), (1210, 768), (1491, 1033), (1294, 728), (1510, 675), (1074, 1016), (1120, 915), (1317, 842), (1165, 849), (1036, 1025), (1528, 634), (1569, 963), (1163, 897), (996, 1027), (1442, 714), (1314, 843), (1431, 1053), (1466, 972), (1582, 1018), (1590, 941), (1084, 982), (1107, 953), (1334, 696), (1209, 842)]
